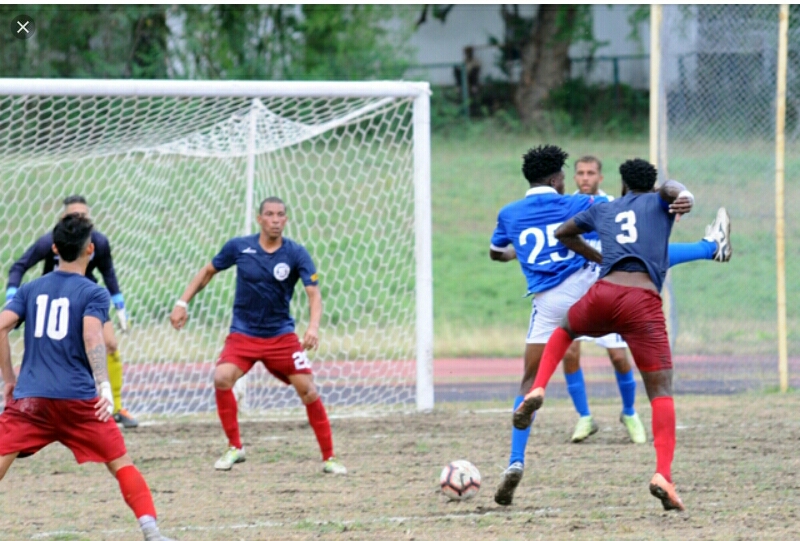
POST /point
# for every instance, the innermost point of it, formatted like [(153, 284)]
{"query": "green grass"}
[(181, 218)]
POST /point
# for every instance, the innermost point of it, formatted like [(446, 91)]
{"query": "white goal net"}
[(171, 170)]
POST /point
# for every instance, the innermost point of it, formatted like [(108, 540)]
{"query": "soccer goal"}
[(172, 169)]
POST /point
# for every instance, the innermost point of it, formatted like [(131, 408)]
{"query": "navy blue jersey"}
[(55, 364), (42, 249), (635, 226), (264, 283), (529, 225)]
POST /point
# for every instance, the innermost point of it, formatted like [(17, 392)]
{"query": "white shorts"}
[(609, 341), (548, 308)]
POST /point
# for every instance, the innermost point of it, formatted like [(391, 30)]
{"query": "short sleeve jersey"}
[(264, 284), (529, 225), (54, 364), (637, 225)]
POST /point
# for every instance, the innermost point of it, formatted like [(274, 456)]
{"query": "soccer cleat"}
[(635, 427), (332, 465), (523, 415), (511, 478), (232, 456), (585, 428), (720, 232), (665, 491), (124, 418)]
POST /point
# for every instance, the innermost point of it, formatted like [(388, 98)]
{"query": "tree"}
[(541, 43)]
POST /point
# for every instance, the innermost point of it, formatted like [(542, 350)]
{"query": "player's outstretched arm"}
[(180, 314), (105, 264), (569, 234), (96, 352), (8, 320), (35, 253), (311, 337)]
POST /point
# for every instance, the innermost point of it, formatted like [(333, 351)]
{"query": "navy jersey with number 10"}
[(55, 364), (264, 284), (529, 225), (635, 226)]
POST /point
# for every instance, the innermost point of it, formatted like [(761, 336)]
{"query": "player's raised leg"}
[(225, 376)]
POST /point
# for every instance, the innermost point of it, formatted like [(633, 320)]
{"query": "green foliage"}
[(578, 108), (217, 41)]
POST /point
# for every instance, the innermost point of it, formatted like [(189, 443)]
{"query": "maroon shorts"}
[(634, 312), (282, 355), (29, 424)]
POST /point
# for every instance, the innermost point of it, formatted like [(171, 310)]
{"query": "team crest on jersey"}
[(281, 271)]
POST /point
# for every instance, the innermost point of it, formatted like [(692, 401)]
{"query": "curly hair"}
[(638, 175), (542, 162)]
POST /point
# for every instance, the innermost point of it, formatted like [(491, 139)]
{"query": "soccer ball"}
[(460, 480)]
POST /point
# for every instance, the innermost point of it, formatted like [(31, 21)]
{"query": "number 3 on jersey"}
[(539, 244), (57, 320), (627, 221)]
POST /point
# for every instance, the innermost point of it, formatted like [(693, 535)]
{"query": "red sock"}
[(318, 418), (228, 413), (135, 491), (664, 434), (554, 351)]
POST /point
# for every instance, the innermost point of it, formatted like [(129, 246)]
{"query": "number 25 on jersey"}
[(540, 240)]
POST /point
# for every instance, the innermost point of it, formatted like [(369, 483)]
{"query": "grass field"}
[(735, 467)]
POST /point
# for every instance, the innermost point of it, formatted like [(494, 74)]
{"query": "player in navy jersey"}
[(634, 231), (42, 250), (262, 329), (557, 277), (62, 392), (714, 246)]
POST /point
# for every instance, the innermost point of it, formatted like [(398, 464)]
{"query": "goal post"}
[(172, 169)]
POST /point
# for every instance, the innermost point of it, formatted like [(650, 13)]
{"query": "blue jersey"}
[(55, 364), (635, 227), (529, 225), (264, 284)]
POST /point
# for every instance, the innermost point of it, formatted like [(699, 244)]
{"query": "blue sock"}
[(519, 438), (627, 390), (683, 252), (577, 391)]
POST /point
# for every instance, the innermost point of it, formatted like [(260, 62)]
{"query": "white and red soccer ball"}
[(460, 480)]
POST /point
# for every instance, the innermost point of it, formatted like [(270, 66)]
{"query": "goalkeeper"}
[(42, 249)]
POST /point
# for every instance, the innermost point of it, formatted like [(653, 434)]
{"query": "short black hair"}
[(271, 199), (71, 235), (638, 175), (542, 162), (72, 199)]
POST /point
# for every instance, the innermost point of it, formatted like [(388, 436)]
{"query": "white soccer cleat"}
[(719, 231), (504, 494), (232, 456), (332, 465)]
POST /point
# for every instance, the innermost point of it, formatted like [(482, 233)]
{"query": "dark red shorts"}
[(29, 424), (634, 312), (282, 355)]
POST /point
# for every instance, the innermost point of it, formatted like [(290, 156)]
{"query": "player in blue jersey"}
[(634, 232), (62, 392), (42, 250), (714, 246), (262, 330), (555, 275)]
